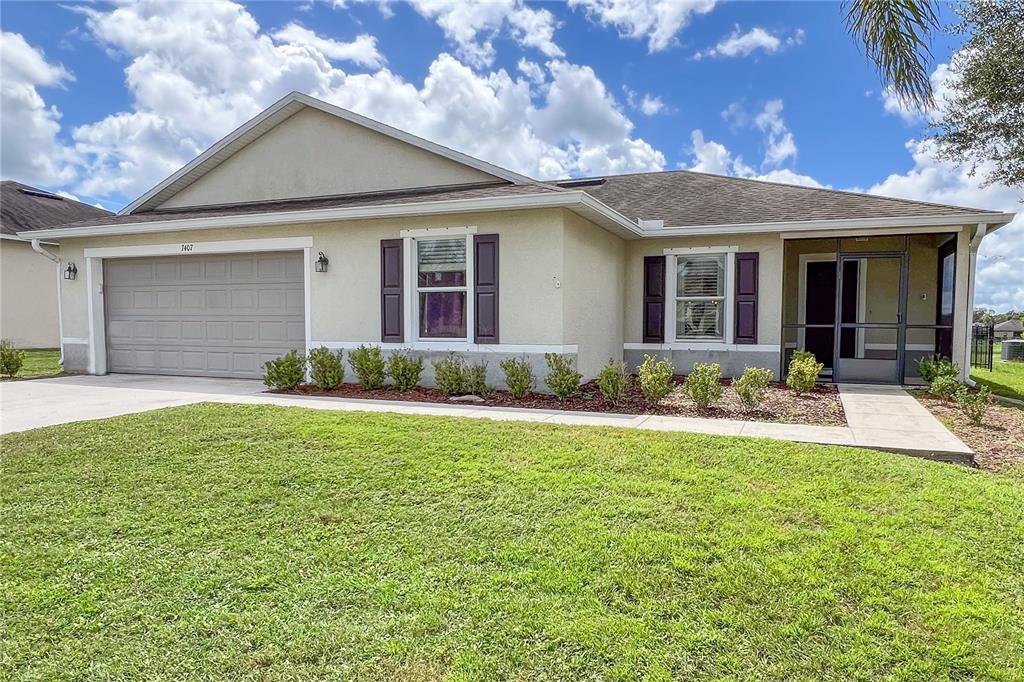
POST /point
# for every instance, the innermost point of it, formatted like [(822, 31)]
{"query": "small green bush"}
[(519, 378), (368, 364), (704, 384), (613, 381), (752, 386), (655, 378), (474, 380), (804, 369), (974, 404), (450, 374), (945, 387), (11, 359), (930, 369), (404, 370), (285, 373), (562, 378), (325, 368)]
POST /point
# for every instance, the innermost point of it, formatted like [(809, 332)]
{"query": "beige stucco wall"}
[(28, 296), (313, 153)]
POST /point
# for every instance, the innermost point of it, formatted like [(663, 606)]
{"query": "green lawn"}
[(1006, 378), (257, 542), (42, 362)]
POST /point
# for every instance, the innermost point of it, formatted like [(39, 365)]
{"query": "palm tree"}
[(896, 35)]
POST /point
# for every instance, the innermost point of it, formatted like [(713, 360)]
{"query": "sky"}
[(102, 101)]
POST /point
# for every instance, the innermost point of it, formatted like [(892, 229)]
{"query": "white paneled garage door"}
[(214, 315)]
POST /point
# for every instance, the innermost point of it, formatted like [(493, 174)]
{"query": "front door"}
[(872, 328)]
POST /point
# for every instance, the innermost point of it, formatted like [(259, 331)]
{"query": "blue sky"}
[(103, 101)]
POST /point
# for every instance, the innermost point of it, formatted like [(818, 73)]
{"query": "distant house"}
[(28, 280), (1011, 329)]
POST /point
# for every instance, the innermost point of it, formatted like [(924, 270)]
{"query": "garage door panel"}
[(204, 315)]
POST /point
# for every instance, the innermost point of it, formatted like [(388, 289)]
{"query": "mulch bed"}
[(820, 407), (998, 443)]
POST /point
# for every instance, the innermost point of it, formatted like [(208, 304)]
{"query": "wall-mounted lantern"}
[(321, 263), (71, 272)]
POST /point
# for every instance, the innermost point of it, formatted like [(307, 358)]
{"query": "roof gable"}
[(302, 147)]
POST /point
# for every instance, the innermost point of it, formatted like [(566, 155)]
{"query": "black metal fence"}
[(982, 346)]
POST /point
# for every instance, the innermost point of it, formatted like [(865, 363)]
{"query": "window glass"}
[(443, 314), (699, 320), (700, 275), (441, 282), (441, 262), (700, 297)]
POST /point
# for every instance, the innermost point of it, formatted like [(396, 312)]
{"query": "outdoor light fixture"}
[(321, 263), (71, 272)]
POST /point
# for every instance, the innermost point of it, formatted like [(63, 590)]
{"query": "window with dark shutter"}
[(746, 297), (654, 299), (391, 311), (485, 288)]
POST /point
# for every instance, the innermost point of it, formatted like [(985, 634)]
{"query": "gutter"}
[(38, 248)]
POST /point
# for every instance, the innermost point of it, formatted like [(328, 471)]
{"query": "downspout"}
[(38, 248), (979, 234)]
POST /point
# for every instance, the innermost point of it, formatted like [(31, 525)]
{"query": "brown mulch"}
[(998, 443), (820, 407)]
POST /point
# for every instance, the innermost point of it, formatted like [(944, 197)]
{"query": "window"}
[(442, 287), (700, 295)]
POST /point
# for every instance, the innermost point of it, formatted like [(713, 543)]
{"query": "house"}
[(1009, 329), (314, 226), (28, 280)]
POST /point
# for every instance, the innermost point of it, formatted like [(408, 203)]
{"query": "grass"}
[(41, 362), (1005, 379), (259, 542)]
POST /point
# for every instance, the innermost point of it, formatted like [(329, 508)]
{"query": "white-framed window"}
[(701, 287), (442, 277)]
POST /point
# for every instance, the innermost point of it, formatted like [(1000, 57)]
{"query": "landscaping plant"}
[(804, 369), (325, 368), (752, 386), (945, 387), (704, 384), (519, 378), (286, 372), (655, 378), (474, 379), (450, 374), (368, 364), (11, 358), (613, 381), (974, 403), (404, 370), (562, 378), (930, 368)]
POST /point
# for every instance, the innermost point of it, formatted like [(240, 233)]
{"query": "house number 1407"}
[(187, 247)]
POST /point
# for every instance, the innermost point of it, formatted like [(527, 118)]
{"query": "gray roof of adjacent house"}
[(1012, 325), (25, 208)]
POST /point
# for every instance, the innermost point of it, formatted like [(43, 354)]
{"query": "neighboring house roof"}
[(24, 208), (1013, 325)]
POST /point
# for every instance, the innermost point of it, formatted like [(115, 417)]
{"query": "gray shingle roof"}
[(27, 208), (684, 198), (1013, 325)]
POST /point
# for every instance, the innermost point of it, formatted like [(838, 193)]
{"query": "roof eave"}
[(993, 220)]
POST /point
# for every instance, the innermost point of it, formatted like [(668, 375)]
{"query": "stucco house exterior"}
[(28, 279), (313, 226)]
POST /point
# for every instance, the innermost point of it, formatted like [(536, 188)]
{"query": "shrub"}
[(518, 376), (562, 378), (613, 381), (803, 355), (752, 385), (704, 384), (404, 370), (286, 372), (11, 359), (368, 364), (474, 379), (449, 375), (945, 387), (930, 369), (804, 369), (655, 378), (974, 403), (325, 368)]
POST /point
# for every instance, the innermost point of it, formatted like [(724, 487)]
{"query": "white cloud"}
[(943, 84), (709, 156), (31, 150), (362, 50), (779, 141), (742, 44), (532, 70), (472, 26), (647, 104), (656, 20)]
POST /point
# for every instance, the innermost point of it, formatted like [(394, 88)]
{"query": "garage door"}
[(221, 316)]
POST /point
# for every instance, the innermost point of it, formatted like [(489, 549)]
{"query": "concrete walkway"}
[(879, 417)]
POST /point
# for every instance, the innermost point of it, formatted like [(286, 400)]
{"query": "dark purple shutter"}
[(654, 299), (485, 288), (746, 297), (391, 314)]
